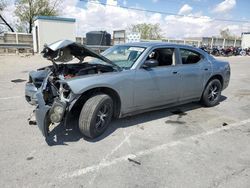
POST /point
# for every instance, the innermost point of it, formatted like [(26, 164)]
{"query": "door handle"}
[(206, 69), (175, 72)]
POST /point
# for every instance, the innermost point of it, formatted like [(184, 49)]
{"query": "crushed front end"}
[(47, 87), (52, 102)]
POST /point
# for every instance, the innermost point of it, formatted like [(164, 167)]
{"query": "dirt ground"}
[(200, 147)]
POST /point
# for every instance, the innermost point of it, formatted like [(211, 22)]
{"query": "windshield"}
[(122, 56)]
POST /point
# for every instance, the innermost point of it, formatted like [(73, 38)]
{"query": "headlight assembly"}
[(57, 111)]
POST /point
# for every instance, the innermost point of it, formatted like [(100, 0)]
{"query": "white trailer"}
[(48, 29)]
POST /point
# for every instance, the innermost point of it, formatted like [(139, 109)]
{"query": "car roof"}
[(153, 44), (159, 44)]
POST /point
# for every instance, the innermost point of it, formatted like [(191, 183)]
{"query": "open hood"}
[(64, 50)]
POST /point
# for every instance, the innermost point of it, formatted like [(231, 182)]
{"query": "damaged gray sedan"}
[(125, 80)]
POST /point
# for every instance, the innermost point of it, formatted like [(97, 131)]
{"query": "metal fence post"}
[(17, 51)]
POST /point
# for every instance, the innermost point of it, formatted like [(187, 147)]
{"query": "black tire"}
[(212, 93), (96, 115)]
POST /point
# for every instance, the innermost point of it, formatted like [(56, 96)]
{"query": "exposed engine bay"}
[(79, 69), (59, 72)]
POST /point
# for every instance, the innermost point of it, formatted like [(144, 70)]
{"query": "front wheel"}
[(212, 93), (96, 115)]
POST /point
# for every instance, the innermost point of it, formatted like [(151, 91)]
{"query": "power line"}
[(165, 13)]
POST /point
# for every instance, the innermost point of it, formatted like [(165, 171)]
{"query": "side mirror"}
[(150, 63)]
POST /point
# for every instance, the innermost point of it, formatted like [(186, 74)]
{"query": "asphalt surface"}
[(186, 146)]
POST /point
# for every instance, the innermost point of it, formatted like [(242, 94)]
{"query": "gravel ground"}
[(156, 149)]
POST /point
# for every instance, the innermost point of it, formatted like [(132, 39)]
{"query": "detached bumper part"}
[(46, 114), (30, 93), (41, 113), (42, 119)]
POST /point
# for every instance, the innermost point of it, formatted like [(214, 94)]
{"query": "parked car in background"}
[(124, 80)]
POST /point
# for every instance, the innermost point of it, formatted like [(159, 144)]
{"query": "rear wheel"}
[(212, 93), (96, 115)]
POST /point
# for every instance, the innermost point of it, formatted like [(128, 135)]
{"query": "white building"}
[(245, 37), (133, 37), (48, 29)]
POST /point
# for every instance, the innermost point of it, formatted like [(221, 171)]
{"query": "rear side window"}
[(189, 56)]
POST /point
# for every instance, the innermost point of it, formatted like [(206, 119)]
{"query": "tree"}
[(3, 4), (147, 31), (27, 10), (226, 34)]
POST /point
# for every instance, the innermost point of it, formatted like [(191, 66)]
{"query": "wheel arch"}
[(216, 76), (203, 98), (96, 90)]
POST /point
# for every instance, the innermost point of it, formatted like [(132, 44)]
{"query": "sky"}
[(92, 16)]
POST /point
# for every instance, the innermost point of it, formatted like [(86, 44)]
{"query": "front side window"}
[(164, 56), (189, 56)]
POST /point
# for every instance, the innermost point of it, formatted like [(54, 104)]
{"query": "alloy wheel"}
[(213, 92), (102, 116)]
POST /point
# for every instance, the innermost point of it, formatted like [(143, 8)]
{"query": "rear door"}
[(192, 69)]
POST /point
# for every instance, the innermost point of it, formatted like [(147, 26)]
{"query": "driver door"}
[(156, 86)]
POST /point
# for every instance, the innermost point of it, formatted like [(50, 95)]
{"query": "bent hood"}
[(64, 50)]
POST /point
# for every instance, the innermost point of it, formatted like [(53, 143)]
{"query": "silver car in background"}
[(124, 80)]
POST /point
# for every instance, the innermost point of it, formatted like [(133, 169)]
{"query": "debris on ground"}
[(224, 124), (29, 158), (32, 122), (30, 119), (134, 161), (18, 80)]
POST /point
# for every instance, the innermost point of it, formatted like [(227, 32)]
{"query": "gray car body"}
[(141, 89)]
